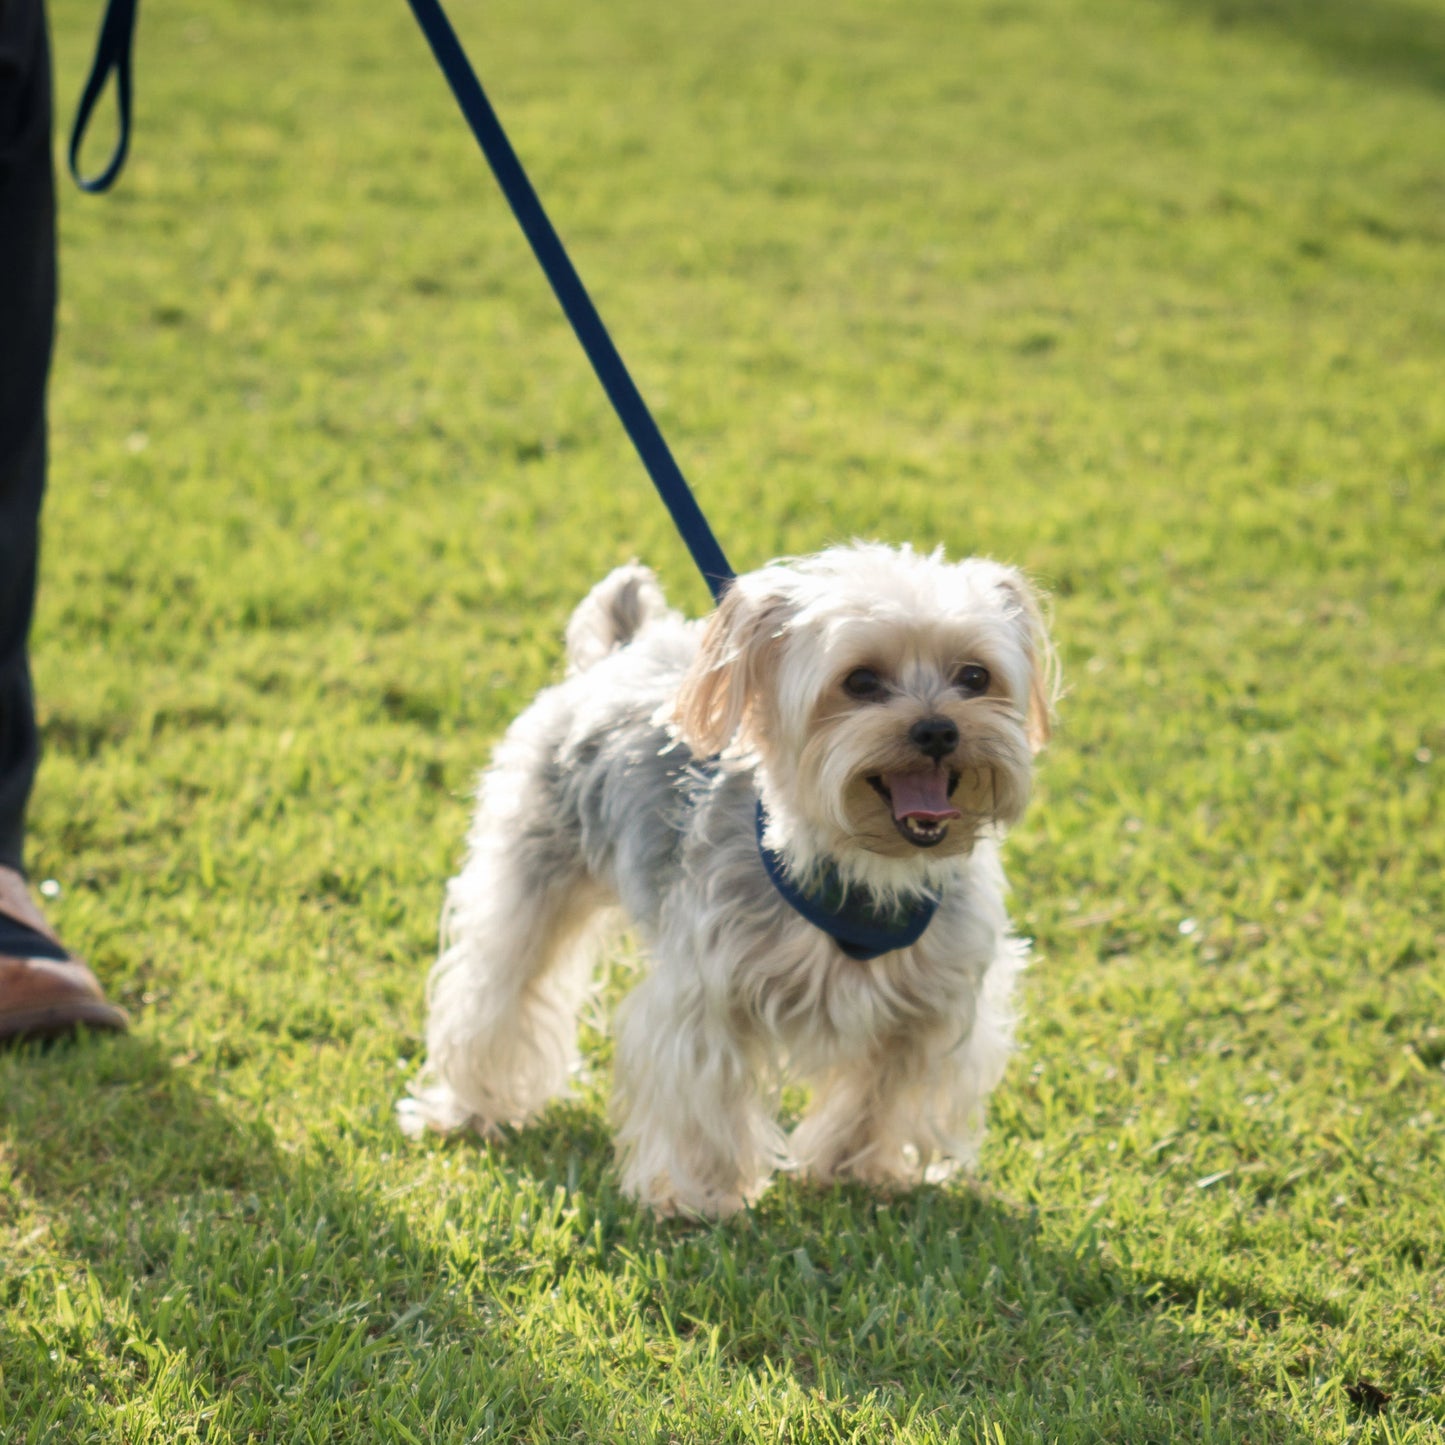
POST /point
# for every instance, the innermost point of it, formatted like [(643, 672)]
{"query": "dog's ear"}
[(1026, 607), (736, 661)]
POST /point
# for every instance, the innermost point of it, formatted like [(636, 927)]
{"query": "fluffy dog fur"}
[(631, 787)]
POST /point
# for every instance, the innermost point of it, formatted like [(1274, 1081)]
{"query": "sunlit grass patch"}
[(1146, 296)]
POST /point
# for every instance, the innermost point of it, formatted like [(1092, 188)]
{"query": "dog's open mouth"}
[(919, 803)]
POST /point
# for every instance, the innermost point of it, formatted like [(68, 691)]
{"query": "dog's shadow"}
[(945, 1301), (278, 1287)]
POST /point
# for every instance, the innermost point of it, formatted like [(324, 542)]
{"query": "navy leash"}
[(112, 53), (616, 381), (862, 929), (859, 926)]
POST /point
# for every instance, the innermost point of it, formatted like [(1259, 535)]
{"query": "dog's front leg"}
[(912, 1106), (863, 1121), (910, 1110), (695, 1134)]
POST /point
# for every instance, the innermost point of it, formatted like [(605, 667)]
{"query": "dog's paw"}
[(431, 1105), (709, 1207), (884, 1168), (668, 1200)]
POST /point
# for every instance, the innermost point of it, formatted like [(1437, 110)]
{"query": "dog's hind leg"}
[(520, 934)]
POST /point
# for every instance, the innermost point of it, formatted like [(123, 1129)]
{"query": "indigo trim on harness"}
[(112, 53), (853, 921), (576, 303)]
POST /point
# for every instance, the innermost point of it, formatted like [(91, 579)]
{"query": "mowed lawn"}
[(1147, 296)]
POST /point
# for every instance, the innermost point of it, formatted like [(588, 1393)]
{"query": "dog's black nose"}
[(936, 736)]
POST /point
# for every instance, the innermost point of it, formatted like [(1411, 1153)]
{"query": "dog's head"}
[(894, 701)]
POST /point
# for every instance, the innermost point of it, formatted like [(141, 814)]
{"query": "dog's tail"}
[(612, 614)]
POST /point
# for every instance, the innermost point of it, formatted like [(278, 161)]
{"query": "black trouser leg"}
[(27, 319)]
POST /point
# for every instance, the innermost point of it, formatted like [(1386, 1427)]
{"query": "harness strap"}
[(853, 920), (576, 303), (112, 53)]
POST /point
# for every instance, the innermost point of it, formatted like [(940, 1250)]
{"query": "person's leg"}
[(27, 311), (43, 991)]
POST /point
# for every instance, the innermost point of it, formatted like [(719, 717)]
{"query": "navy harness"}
[(856, 921), (862, 927)]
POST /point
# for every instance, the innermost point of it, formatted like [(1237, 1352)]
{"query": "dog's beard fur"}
[(829, 788), (635, 783)]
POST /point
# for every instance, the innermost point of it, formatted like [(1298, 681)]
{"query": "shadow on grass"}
[(214, 1283), (1392, 40), (99, 1137), (235, 1287), (945, 1301)]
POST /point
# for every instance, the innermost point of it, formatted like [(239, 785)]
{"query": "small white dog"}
[(797, 804)]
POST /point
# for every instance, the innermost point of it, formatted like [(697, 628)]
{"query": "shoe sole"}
[(54, 1023)]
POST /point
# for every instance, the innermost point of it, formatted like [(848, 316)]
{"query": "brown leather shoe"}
[(44, 991)]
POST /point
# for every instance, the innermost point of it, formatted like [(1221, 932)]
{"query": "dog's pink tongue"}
[(920, 795)]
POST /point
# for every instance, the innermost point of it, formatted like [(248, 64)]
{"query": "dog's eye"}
[(972, 678), (864, 684)]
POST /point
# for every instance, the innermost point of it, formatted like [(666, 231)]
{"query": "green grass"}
[(1146, 295)]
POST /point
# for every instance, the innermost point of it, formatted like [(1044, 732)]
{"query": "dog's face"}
[(894, 700)]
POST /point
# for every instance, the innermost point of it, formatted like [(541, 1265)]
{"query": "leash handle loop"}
[(112, 53), (576, 303)]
